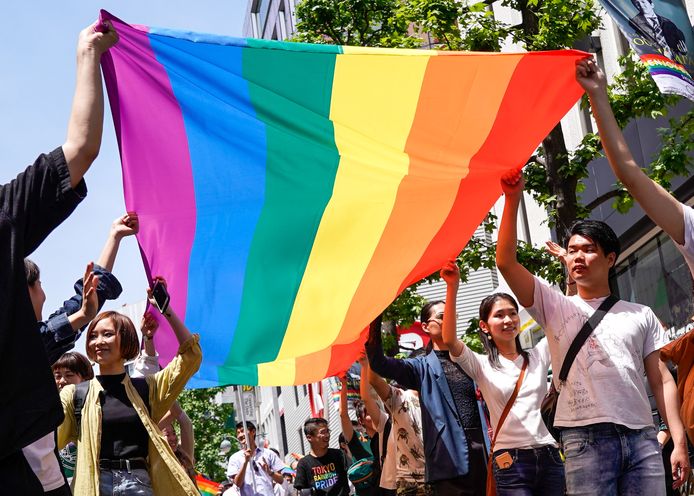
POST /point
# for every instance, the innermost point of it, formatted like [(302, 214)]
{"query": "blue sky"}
[(37, 56)]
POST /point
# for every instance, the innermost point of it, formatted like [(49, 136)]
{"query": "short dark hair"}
[(32, 271), (129, 344), (489, 345), (249, 425), (76, 363), (599, 233), (313, 424), (359, 409)]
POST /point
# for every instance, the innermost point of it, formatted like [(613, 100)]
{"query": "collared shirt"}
[(254, 470), (167, 474), (31, 206)]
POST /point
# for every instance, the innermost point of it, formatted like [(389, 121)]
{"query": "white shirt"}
[(605, 381), (143, 365), (523, 427), (44, 463), (687, 249), (254, 469)]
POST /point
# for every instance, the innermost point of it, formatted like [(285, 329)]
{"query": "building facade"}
[(663, 283)]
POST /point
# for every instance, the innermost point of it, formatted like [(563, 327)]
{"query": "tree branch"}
[(602, 199)]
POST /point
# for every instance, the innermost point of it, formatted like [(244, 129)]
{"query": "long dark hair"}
[(489, 344), (425, 315)]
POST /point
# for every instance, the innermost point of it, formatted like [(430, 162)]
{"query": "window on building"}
[(301, 440), (305, 390), (283, 428), (656, 275), (255, 24), (296, 395), (282, 22), (279, 390), (259, 13)]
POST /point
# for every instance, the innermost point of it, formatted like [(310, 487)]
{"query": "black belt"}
[(123, 464)]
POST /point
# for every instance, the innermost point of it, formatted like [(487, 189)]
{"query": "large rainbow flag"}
[(289, 192)]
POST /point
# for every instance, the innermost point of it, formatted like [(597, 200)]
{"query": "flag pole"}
[(239, 398)]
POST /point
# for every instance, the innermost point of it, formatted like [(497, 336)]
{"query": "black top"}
[(326, 475), (31, 206), (356, 447), (462, 389), (122, 433)]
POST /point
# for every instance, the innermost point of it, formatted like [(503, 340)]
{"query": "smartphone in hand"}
[(161, 296)]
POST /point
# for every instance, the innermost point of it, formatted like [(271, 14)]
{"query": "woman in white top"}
[(526, 458)]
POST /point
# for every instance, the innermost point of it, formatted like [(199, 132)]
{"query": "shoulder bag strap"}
[(583, 334), (78, 398), (510, 402)]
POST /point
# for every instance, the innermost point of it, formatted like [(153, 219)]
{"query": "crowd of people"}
[(444, 421)]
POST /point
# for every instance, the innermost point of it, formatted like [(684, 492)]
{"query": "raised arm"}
[(187, 432), (90, 302), (370, 402), (519, 279), (149, 327), (171, 380), (86, 119), (125, 225), (665, 392), (451, 274), (659, 205), (402, 371), (379, 385), (559, 252), (347, 428), (179, 328)]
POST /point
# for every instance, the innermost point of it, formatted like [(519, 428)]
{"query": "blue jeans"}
[(123, 483), (534, 472), (610, 459)]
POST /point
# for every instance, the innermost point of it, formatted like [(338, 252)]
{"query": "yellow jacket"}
[(167, 474)]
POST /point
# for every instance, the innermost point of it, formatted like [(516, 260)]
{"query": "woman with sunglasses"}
[(452, 424)]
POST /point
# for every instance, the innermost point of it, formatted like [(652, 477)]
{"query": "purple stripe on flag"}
[(154, 150)]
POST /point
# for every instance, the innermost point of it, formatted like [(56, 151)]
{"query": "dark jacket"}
[(57, 333), (445, 445)]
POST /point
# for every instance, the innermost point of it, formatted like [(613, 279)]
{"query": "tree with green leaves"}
[(211, 426), (553, 174)]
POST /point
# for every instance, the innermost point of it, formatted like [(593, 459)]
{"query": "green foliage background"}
[(210, 421)]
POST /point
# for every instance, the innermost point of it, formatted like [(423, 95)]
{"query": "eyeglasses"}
[(438, 318)]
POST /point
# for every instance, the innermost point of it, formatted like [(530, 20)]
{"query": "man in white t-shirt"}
[(607, 432), (669, 214)]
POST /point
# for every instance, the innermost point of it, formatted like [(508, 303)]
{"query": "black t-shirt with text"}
[(326, 475)]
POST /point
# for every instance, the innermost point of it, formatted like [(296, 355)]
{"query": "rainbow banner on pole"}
[(289, 192), (206, 486)]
